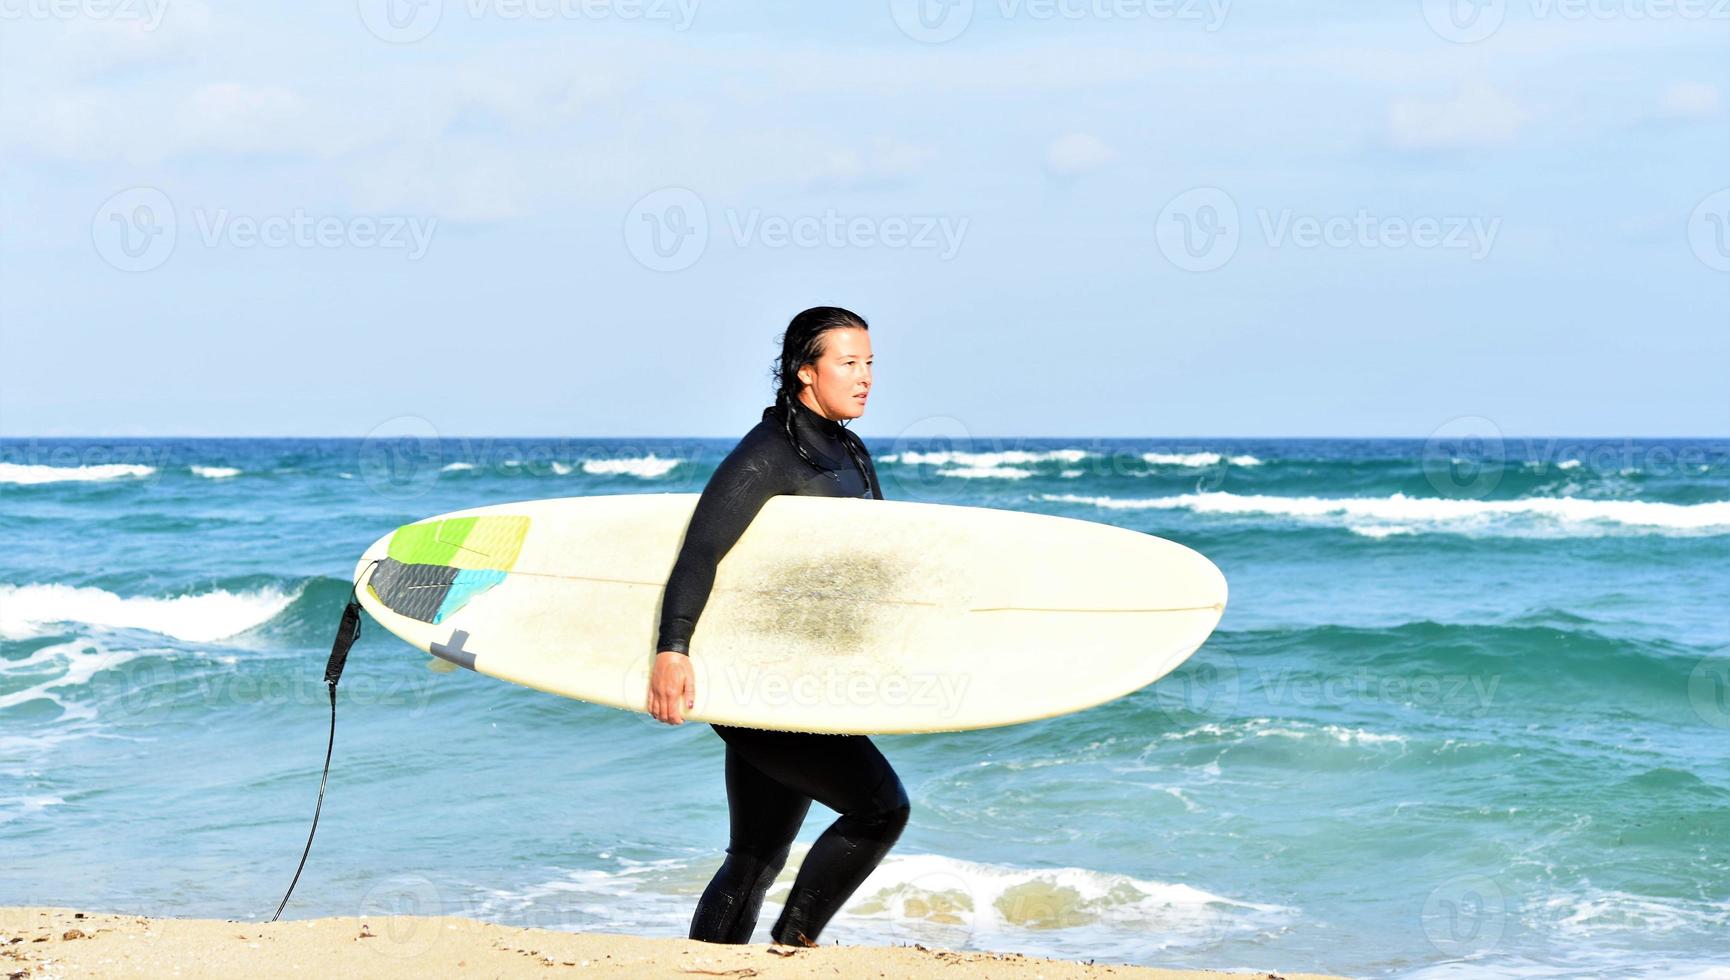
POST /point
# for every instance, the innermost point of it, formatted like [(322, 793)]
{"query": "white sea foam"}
[(456, 467), (562, 469), (69, 664), (942, 899), (1196, 460), (214, 472), (25, 806), (1381, 530), (1276, 728), (986, 473), (1564, 514), (1008, 457), (27, 473), (644, 467), (926, 897), (26, 610), (1594, 912), (1339, 733)]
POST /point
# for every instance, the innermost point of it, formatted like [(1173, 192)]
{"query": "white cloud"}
[(1074, 154), (1689, 100), (229, 116), (1477, 116), (885, 163)]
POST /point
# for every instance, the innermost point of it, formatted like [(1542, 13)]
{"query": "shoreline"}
[(64, 942)]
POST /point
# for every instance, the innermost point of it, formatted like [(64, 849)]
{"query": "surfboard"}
[(837, 615)]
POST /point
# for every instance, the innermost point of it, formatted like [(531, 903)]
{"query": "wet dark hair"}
[(803, 343)]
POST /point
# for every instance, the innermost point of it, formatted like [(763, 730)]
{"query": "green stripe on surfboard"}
[(461, 542)]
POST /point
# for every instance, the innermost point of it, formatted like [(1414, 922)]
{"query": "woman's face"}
[(837, 383)]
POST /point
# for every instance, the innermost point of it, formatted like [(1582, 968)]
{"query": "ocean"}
[(1467, 712)]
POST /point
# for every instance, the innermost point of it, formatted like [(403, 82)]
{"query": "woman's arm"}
[(743, 482)]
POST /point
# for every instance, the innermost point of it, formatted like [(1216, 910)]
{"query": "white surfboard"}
[(842, 615)]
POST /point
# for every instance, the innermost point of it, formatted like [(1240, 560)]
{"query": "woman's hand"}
[(672, 687)]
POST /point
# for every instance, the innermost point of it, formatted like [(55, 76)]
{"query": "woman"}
[(799, 447)]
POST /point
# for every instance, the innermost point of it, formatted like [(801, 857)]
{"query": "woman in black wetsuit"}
[(799, 447)]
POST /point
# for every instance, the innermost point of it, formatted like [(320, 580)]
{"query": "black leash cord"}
[(346, 633), (315, 810)]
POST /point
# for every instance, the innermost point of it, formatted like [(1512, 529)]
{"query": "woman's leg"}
[(850, 776), (763, 816)]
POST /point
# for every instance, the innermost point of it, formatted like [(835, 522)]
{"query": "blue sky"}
[(1087, 218)]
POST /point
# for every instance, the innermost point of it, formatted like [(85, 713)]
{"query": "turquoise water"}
[(1467, 712)]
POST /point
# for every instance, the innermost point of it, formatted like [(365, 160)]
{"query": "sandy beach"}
[(56, 942)]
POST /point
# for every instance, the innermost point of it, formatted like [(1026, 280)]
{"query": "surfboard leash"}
[(347, 631)]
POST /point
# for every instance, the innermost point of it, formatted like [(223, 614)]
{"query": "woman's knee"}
[(888, 816)]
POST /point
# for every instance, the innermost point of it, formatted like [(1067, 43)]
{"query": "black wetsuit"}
[(772, 777)]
